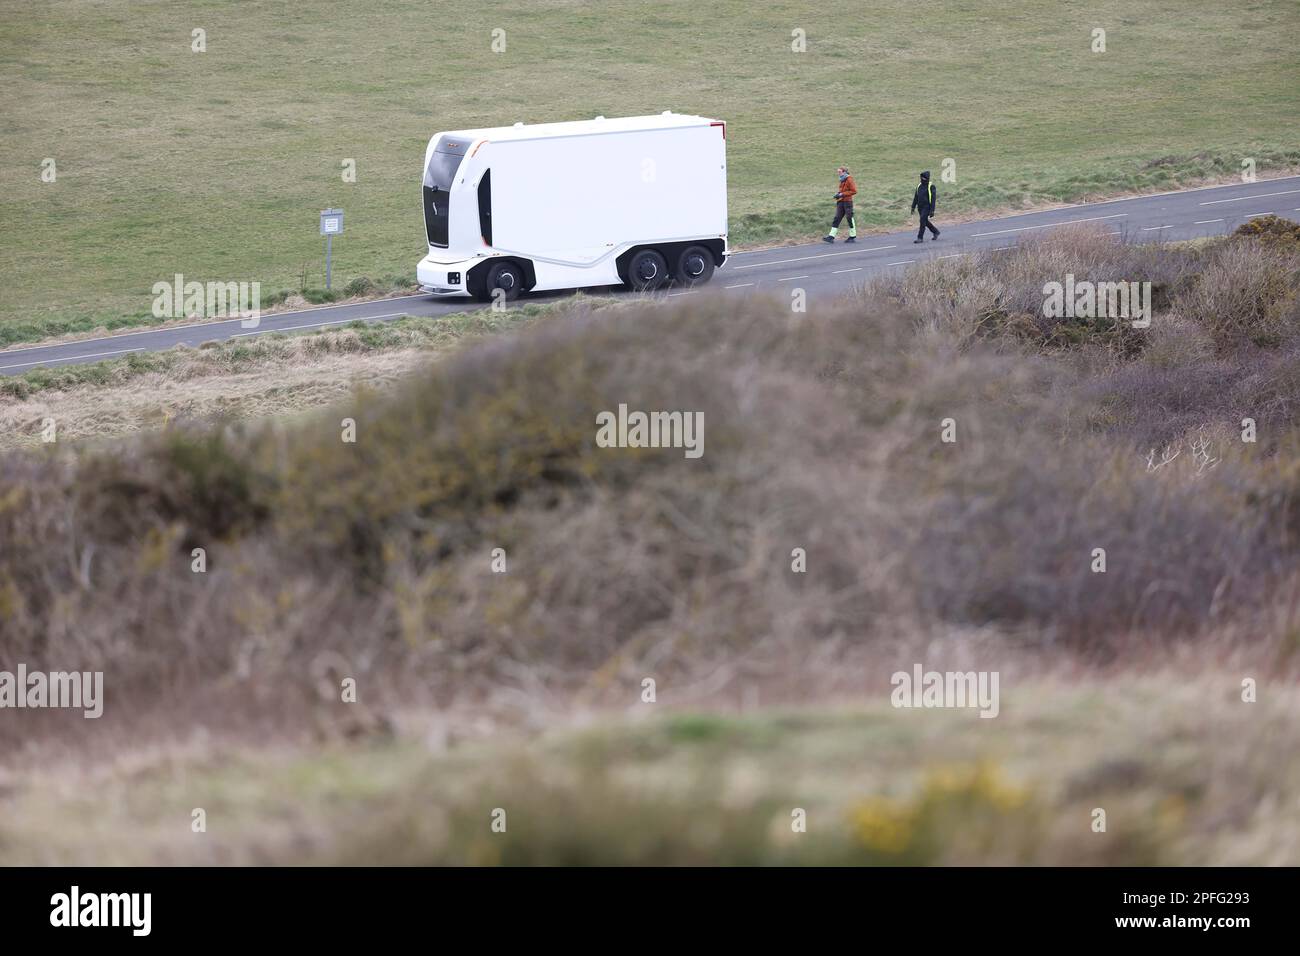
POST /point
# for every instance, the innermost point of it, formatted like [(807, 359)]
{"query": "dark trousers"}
[(843, 209), (926, 224)]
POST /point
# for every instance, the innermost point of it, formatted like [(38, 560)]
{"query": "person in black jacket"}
[(924, 201)]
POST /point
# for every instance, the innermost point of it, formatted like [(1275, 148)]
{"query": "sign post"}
[(331, 224)]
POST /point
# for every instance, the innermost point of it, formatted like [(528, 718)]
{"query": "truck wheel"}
[(694, 266), (506, 276), (647, 270)]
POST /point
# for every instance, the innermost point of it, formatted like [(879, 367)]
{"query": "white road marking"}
[(1155, 228), (854, 269), (78, 357), (687, 292), (1202, 222), (789, 278), (743, 285), (201, 325), (122, 335), (824, 255), (1256, 215), (1285, 192), (1051, 225), (317, 325), (955, 255)]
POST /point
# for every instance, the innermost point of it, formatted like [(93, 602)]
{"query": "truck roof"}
[(622, 124)]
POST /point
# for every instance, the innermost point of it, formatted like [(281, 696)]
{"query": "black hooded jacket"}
[(926, 197)]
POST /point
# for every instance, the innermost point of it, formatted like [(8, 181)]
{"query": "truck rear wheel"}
[(694, 266), (647, 270), (506, 276)]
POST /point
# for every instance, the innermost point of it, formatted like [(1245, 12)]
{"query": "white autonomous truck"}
[(640, 201)]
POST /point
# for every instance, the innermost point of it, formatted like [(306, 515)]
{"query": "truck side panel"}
[(578, 198)]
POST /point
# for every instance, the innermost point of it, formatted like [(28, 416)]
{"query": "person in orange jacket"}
[(844, 207)]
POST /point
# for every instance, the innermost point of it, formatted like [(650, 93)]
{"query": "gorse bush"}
[(1272, 231), (955, 810)]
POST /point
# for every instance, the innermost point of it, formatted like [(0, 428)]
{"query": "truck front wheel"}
[(694, 266), (506, 276), (647, 270)]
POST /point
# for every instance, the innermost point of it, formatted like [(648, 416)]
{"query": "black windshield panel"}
[(444, 161), (435, 215)]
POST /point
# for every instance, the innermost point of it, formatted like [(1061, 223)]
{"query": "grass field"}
[(215, 164)]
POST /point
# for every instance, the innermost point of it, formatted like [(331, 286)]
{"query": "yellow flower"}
[(883, 825)]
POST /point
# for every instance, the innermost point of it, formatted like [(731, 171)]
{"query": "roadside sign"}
[(331, 224)]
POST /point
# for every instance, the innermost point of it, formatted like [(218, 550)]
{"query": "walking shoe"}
[(828, 238), (936, 236), (851, 239), (915, 241)]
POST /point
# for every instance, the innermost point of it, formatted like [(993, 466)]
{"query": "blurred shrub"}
[(821, 433), (955, 810)]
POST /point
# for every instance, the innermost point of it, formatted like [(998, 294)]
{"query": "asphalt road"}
[(819, 268)]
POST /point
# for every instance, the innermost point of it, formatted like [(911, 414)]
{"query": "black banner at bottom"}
[(337, 906)]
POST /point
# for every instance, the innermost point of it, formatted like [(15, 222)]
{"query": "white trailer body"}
[(638, 200)]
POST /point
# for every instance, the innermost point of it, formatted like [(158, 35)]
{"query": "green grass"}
[(215, 164), (28, 328)]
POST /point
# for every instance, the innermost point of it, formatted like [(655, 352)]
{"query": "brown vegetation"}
[(822, 433)]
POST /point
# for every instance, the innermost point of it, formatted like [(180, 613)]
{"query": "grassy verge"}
[(276, 374), (215, 164), (240, 355), (75, 325)]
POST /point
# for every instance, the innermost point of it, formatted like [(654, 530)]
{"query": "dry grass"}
[(822, 433), (372, 559), (193, 389), (274, 374), (1186, 772)]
